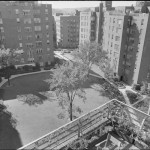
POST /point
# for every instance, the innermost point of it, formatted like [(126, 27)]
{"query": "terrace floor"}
[(111, 141)]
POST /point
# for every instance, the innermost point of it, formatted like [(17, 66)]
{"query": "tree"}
[(7, 58), (90, 53), (108, 71), (144, 88), (66, 81)]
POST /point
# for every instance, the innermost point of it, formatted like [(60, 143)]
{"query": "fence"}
[(84, 124)]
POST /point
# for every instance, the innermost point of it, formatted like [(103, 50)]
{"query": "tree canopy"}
[(90, 53), (66, 81), (7, 58)]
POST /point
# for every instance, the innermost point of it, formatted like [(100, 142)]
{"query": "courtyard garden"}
[(33, 122)]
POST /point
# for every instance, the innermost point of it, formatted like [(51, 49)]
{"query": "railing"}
[(84, 124)]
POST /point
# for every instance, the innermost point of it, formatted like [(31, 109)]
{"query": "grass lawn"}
[(34, 122), (29, 84)]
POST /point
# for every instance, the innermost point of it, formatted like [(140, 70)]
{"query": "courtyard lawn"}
[(28, 84), (34, 122)]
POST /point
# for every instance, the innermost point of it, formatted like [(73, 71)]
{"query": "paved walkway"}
[(18, 75)]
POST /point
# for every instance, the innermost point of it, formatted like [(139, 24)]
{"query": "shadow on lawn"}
[(9, 136), (2, 92), (38, 92), (92, 80)]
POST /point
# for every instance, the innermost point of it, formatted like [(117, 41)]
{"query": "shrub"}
[(7, 75), (46, 64), (12, 67), (37, 65), (28, 68), (137, 87), (132, 97)]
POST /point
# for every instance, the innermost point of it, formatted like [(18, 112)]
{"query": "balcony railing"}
[(83, 125)]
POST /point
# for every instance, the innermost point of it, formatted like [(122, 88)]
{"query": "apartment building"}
[(91, 22), (54, 33), (126, 39), (27, 26), (88, 26), (140, 43), (113, 42), (67, 30)]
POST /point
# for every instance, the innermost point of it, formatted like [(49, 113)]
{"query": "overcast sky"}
[(77, 4)]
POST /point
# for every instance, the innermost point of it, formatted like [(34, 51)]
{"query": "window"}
[(111, 44), (142, 21), (29, 45), (40, 58), (1, 29), (47, 35), (47, 26), (17, 11), (46, 11), (20, 44), (26, 12), (112, 36), (29, 54), (46, 18), (112, 28), (36, 11), (1, 21), (48, 49), (28, 29), (38, 36), (139, 40), (47, 41), (2, 38), (18, 20), (116, 47), (29, 37), (27, 20), (19, 37), (117, 38), (118, 30), (129, 22), (19, 29), (37, 20), (39, 50), (114, 20), (131, 40), (119, 21), (37, 28), (38, 43)]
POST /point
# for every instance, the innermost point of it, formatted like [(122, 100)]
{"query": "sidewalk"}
[(18, 75)]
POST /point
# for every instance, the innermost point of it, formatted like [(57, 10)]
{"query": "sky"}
[(78, 4)]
